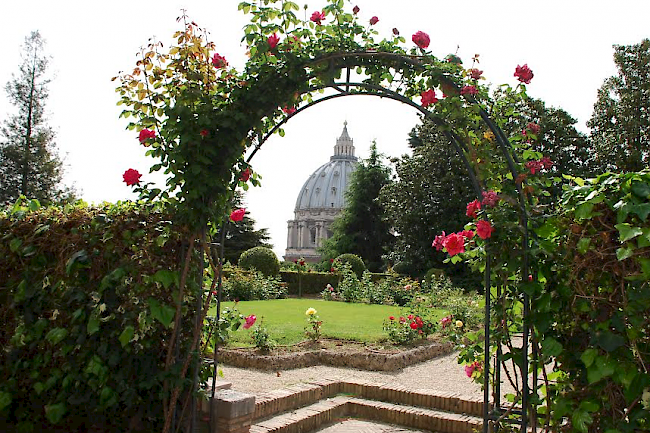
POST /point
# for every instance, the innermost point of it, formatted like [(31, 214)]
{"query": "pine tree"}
[(29, 163), (620, 124), (362, 228)]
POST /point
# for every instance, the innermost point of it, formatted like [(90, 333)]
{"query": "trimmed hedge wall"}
[(86, 307), (315, 282)]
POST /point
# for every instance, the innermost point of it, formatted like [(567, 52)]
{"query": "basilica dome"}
[(320, 201)]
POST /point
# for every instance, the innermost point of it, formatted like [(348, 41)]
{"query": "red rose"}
[(530, 278), (421, 39), (204, 133), (438, 242), (317, 17), (245, 175), (533, 127), (468, 90), (454, 244), (395, 31), (490, 198), (391, 317), (428, 97), (475, 73), (289, 110), (219, 61), (467, 234), (237, 214), (534, 166), (146, 134), (410, 317), (332, 269), (355, 10), (484, 229), (131, 177), (374, 20), (273, 40), (546, 162), (472, 207), (413, 325), (402, 319), (524, 74)]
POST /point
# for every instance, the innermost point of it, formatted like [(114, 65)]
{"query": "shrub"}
[(312, 282), (262, 259), (87, 310), (355, 262), (405, 330), (350, 287), (312, 330), (241, 285), (261, 338)]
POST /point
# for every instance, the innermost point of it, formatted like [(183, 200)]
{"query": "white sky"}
[(567, 44)]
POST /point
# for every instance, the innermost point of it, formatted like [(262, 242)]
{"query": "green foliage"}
[(262, 259), (87, 301), (356, 263), (29, 161), (362, 227), (620, 123), (261, 338), (312, 282), (244, 285)]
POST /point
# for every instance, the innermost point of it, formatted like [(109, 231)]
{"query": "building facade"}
[(320, 201)]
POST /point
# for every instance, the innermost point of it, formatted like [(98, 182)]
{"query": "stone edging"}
[(371, 361)]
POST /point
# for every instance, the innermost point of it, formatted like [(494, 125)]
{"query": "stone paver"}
[(358, 426)]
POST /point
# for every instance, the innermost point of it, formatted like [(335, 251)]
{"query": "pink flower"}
[(524, 74), (245, 175), (438, 242), (355, 10), (472, 207), (131, 177), (421, 39), (530, 278), (237, 215), (250, 321), (273, 40), (410, 317), (469, 90), (146, 134), (490, 198), (484, 229), (475, 73), (374, 20), (469, 369), (428, 97), (445, 321), (402, 319), (454, 244), (317, 17), (219, 61), (468, 234)]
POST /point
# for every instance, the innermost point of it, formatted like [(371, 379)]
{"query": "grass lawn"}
[(285, 319)]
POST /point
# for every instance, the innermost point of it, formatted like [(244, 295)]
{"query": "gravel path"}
[(439, 374)]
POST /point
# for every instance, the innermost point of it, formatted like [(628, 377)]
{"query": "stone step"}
[(317, 415)]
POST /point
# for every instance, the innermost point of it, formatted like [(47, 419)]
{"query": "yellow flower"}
[(489, 136), (459, 324), (310, 311)]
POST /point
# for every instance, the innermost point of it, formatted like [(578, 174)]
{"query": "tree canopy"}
[(620, 123), (29, 162)]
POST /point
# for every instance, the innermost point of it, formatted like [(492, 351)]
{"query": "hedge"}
[(86, 306)]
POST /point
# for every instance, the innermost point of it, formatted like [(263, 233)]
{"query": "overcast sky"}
[(567, 44)]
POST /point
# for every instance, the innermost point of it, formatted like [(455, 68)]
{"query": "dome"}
[(326, 187)]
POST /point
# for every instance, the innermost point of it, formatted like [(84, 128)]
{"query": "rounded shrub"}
[(355, 262), (261, 258)]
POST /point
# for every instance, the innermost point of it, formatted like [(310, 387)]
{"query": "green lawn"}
[(285, 319)]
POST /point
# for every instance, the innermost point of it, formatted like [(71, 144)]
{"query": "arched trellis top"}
[(336, 63)]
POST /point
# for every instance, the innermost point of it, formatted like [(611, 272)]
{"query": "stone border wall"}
[(372, 361)]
